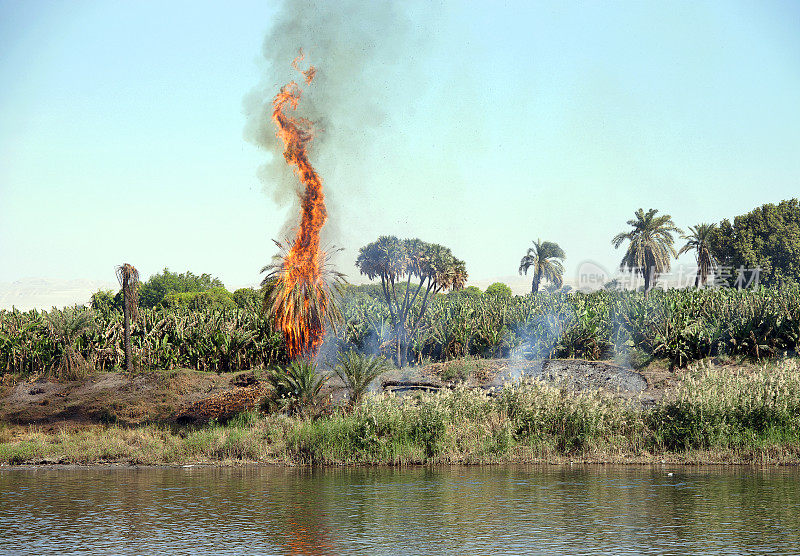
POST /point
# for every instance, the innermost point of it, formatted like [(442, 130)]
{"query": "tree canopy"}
[(399, 262), (767, 238), (545, 257), (500, 290), (651, 245), (156, 288)]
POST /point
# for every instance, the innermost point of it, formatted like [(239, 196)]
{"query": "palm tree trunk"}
[(537, 277), (127, 325), (648, 271)]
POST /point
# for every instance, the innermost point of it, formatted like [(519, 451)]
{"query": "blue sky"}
[(481, 126)]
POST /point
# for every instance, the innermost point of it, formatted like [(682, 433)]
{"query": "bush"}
[(105, 302), (158, 286), (248, 298), (215, 298), (297, 390), (725, 408), (357, 371), (470, 292), (500, 290)]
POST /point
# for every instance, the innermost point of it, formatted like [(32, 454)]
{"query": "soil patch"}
[(150, 396)]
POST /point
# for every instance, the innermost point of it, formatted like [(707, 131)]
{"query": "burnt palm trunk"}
[(128, 278), (127, 324)]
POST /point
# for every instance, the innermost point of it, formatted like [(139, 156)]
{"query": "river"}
[(374, 511)]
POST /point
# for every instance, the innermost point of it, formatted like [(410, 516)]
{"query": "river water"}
[(459, 510)]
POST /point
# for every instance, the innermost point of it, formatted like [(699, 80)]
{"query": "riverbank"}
[(710, 416)]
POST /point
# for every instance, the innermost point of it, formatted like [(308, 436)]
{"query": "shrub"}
[(723, 408), (500, 290), (158, 286), (67, 327), (297, 390), (215, 298), (248, 298), (357, 371)]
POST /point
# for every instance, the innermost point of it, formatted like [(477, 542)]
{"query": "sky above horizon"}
[(127, 130)]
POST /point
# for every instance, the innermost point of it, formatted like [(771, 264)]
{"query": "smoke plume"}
[(354, 47)]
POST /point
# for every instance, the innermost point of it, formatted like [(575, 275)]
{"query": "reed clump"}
[(731, 409)]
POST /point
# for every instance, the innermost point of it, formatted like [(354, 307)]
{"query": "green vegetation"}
[(162, 338), (296, 390), (500, 290), (545, 257), (67, 327), (460, 370), (767, 238), (153, 291), (357, 371), (715, 416), (397, 262), (678, 325), (650, 245)]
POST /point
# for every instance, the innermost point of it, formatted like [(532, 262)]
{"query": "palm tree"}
[(297, 389), (398, 262), (305, 307), (67, 326), (699, 240), (650, 245), (357, 371), (545, 257), (128, 278)]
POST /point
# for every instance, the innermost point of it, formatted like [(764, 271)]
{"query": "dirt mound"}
[(576, 375), (153, 396), (192, 396), (572, 374)]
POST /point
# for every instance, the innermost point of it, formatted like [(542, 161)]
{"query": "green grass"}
[(713, 416)]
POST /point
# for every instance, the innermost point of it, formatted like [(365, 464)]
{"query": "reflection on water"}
[(462, 510)]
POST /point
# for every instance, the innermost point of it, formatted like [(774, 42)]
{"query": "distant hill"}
[(44, 293)]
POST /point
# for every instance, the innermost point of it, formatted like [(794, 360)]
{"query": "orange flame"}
[(301, 271)]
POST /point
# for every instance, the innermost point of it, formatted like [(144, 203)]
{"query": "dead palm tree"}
[(650, 245), (128, 278), (699, 240), (545, 257)]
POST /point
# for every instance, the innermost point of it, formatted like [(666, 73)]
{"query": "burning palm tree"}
[(302, 307), (301, 300)]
